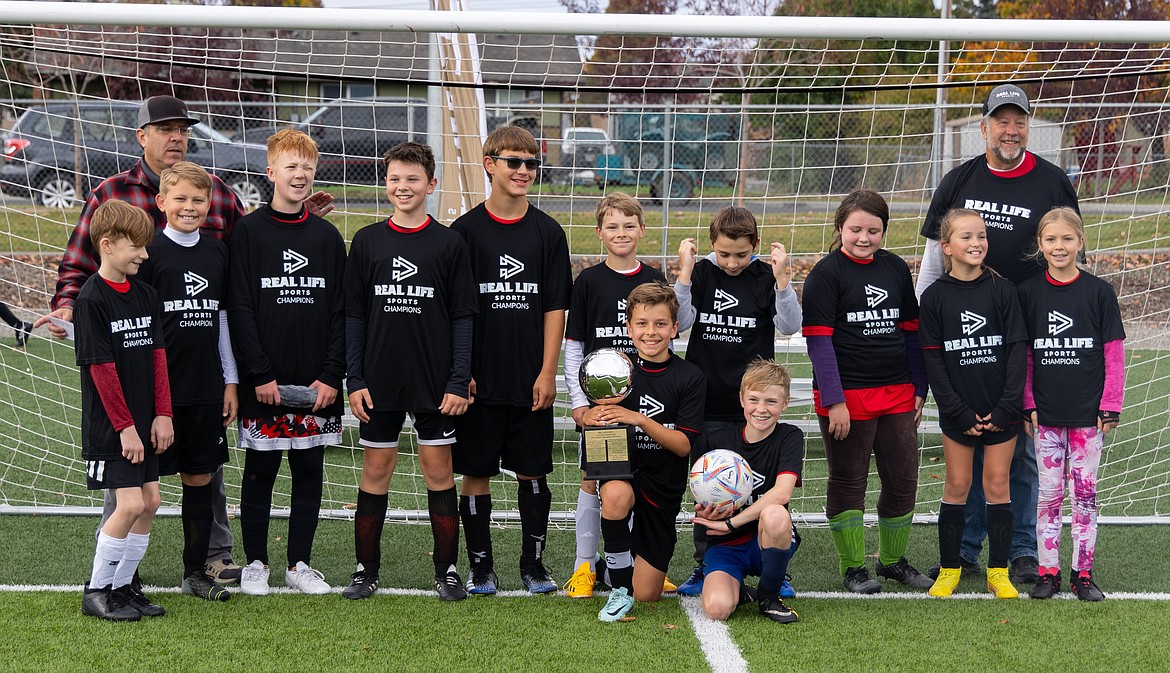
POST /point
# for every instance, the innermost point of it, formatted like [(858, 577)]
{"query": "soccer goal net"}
[(690, 114)]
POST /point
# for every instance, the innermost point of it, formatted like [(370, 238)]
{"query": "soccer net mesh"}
[(783, 125)]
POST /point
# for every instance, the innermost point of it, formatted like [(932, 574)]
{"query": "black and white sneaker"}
[(903, 572), (23, 332), (99, 603), (773, 608), (481, 581), (537, 579), (198, 584), (450, 586), (139, 601), (362, 584), (858, 581)]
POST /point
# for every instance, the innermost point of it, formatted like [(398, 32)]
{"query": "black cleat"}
[(362, 584), (905, 573), (198, 584), (747, 594), (537, 579), (1047, 587), (481, 581), (139, 601), (100, 603), (23, 332), (1086, 590), (858, 581), (773, 608), (450, 586), (1025, 570), (969, 569)]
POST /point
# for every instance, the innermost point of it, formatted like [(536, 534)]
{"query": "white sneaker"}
[(254, 579), (305, 580)]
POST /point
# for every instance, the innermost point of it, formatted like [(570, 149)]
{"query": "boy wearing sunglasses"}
[(520, 263)]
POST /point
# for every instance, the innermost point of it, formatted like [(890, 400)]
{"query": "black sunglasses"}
[(513, 163)]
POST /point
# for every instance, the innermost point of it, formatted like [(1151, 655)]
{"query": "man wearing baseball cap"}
[(164, 127), (1011, 189)]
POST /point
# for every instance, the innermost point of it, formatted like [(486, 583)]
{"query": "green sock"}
[(893, 537), (848, 529)]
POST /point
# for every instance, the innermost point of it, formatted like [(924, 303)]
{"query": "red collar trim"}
[(1024, 168), (853, 259), (502, 220), (1058, 283), (632, 272), (287, 218), (122, 287), (407, 230)]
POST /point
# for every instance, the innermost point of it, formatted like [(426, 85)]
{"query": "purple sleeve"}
[(914, 363), (1029, 399), (824, 363), (1114, 394)]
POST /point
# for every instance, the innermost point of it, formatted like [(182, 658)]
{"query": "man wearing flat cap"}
[(1011, 189)]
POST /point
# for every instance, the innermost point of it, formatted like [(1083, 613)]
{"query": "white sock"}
[(588, 528), (106, 558), (135, 550)]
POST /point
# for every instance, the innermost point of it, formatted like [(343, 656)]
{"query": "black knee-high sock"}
[(476, 512), (534, 501), (699, 534), (951, 522), (443, 507), (367, 530), (260, 468), (307, 467), (618, 558), (197, 518), (999, 534)]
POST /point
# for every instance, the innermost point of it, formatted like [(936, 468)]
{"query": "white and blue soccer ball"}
[(721, 478)]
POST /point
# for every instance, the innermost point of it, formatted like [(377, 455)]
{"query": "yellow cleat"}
[(580, 585), (999, 584), (948, 579), (668, 586)]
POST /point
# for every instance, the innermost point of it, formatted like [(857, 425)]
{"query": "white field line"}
[(721, 651), (898, 595)]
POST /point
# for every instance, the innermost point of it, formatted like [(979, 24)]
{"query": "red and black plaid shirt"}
[(80, 260)]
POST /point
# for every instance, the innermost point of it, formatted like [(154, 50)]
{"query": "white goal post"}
[(781, 114)]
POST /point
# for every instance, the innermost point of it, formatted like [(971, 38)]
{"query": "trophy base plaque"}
[(607, 452)]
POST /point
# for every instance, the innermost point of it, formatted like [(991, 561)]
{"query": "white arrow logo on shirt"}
[(1058, 322), (294, 261), (724, 301), (194, 283), (875, 295), (972, 322), (648, 406), (403, 269), (509, 266)]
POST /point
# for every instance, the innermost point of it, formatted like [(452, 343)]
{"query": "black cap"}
[(157, 109), (1006, 94)]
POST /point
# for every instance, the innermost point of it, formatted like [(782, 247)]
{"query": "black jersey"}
[(733, 326), (597, 312), (521, 270), (670, 393), (864, 307), (972, 323), (285, 305), (1068, 327), (123, 328), (781, 452), (190, 282), (406, 286), (1010, 206)]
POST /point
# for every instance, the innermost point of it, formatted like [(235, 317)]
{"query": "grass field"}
[(414, 631)]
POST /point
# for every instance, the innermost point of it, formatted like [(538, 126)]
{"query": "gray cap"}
[(157, 109), (1006, 94)]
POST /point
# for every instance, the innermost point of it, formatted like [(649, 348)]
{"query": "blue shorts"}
[(739, 560)]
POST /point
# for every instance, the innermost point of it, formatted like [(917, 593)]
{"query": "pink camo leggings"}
[(1073, 455)]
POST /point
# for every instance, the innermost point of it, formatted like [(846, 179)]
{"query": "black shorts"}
[(986, 439), (495, 435), (121, 473), (200, 441), (384, 429), (654, 533)]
